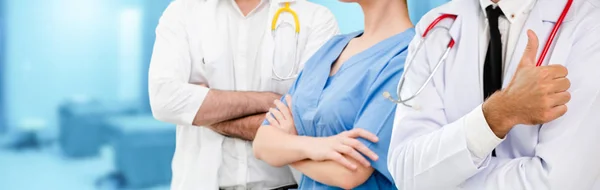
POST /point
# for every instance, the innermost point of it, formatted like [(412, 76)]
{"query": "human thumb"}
[(529, 56)]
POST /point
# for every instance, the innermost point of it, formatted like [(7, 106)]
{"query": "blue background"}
[(74, 108)]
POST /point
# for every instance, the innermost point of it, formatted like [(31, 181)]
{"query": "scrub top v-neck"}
[(327, 105)]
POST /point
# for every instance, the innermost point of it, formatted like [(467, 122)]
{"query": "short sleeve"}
[(377, 113)]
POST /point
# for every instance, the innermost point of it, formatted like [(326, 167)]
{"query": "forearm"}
[(243, 128), (334, 174), (278, 148), (219, 105)]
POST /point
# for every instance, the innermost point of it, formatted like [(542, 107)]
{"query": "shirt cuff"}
[(192, 102), (481, 140)]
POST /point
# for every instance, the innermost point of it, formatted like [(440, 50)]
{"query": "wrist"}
[(304, 144), (498, 115), (268, 100)]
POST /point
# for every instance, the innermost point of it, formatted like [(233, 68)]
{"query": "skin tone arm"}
[(219, 106), (536, 95), (334, 174), (317, 158), (244, 128), (224, 110), (382, 19)]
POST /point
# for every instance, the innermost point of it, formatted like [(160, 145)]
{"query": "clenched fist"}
[(536, 95)]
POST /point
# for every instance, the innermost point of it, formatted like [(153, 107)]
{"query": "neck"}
[(385, 18), (247, 5)]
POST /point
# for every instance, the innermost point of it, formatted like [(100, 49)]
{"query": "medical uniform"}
[(212, 42), (352, 98), (444, 142)]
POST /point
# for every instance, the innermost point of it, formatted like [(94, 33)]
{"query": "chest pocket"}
[(218, 71), (288, 50), (215, 60)]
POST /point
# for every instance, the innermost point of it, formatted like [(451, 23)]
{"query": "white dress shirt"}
[(480, 137), (179, 62), (239, 165)]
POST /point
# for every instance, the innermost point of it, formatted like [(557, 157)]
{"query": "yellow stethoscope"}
[(291, 75)]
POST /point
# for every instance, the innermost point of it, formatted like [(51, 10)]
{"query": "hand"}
[(283, 117), (536, 95), (332, 148)]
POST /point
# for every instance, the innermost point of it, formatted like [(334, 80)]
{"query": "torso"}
[(335, 84)]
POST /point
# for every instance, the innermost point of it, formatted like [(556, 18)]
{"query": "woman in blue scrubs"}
[(338, 112)]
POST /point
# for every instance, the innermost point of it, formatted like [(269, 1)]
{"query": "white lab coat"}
[(191, 47), (429, 147)]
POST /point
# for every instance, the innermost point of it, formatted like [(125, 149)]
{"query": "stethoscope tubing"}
[(433, 25)]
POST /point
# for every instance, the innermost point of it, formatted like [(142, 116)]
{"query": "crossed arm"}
[(296, 151), (234, 114), (175, 99), (334, 160)]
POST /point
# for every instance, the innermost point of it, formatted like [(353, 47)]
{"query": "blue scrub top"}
[(326, 105)]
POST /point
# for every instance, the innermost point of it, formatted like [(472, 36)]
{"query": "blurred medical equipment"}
[(434, 26), (143, 150), (292, 74), (83, 129)]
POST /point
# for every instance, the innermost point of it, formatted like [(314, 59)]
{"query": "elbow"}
[(160, 113), (405, 175), (260, 148), (397, 157), (261, 153), (351, 180), (159, 105)]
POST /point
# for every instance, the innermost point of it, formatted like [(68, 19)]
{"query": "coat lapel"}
[(541, 20), (459, 74)]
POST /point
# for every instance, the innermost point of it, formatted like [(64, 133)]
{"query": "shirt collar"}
[(258, 7), (513, 9)]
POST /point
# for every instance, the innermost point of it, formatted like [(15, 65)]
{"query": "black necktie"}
[(492, 69)]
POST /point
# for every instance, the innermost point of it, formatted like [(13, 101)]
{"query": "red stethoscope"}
[(433, 25)]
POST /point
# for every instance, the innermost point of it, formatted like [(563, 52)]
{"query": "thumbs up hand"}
[(536, 95)]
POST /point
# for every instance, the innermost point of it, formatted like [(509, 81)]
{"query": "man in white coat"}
[(490, 119), (212, 74)]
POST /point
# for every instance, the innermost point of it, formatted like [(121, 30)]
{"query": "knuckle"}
[(543, 73), (345, 149), (568, 96), (545, 88), (568, 83), (355, 143), (546, 102), (548, 116), (332, 155), (563, 69)]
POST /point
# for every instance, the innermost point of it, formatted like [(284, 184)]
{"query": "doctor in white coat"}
[(213, 74), (543, 125)]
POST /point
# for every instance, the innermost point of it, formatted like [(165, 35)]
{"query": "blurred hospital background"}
[(74, 111)]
